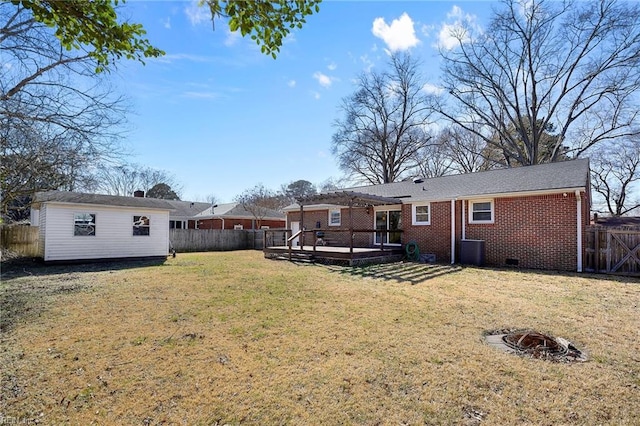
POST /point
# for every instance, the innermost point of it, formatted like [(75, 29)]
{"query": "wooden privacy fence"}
[(189, 240), (612, 250), (20, 240)]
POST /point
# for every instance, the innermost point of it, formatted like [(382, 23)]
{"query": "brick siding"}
[(537, 231)]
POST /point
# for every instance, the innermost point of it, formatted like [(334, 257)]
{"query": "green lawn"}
[(233, 338)]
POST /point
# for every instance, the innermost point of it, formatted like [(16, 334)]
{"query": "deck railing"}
[(322, 237)]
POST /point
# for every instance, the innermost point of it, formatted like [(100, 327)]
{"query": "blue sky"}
[(222, 117)]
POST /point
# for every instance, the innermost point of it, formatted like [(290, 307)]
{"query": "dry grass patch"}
[(234, 338)]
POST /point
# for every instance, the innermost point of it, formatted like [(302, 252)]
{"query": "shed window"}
[(84, 224), (421, 214), (481, 211), (141, 225), (334, 217), (238, 227)]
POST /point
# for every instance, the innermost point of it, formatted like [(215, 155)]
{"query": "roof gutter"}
[(502, 195)]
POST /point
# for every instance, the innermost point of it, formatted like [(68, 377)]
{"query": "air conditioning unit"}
[(472, 252)]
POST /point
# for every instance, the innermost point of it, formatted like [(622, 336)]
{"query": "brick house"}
[(531, 217), (235, 216)]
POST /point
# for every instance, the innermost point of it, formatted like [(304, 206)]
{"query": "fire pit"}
[(533, 344)]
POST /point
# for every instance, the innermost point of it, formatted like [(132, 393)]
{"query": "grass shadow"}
[(401, 272), (29, 297), (25, 267), (418, 272)]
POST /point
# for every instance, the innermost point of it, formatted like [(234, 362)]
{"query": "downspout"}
[(464, 223), (579, 228), (453, 231)]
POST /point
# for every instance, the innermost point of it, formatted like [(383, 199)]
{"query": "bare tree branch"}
[(544, 64), (385, 124)]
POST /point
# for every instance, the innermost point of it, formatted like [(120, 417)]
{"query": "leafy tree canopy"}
[(80, 23), (267, 21), (298, 189), (163, 192)]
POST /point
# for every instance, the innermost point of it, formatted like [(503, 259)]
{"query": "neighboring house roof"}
[(236, 210), (100, 200), (632, 221), (186, 209), (566, 175)]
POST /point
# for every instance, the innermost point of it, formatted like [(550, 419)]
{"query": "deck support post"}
[(351, 226), (302, 226)]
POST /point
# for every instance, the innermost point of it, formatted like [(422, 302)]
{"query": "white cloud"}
[(332, 66), (197, 14), (232, 37), (291, 83), (171, 58), (166, 23), (432, 89), (368, 63), (201, 95), (323, 79), (456, 12), (458, 29), (400, 35), (315, 95)]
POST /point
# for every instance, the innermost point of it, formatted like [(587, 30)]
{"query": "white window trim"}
[(95, 226), (480, 222), (145, 226), (339, 217), (388, 208), (238, 227), (414, 220)]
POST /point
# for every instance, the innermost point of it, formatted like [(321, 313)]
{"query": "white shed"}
[(76, 226)]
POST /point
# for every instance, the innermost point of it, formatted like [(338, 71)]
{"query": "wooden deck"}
[(336, 255)]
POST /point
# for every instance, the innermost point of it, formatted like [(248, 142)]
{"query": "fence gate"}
[(613, 250)]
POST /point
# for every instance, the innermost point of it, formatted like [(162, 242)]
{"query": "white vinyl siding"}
[(113, 237), (42, 230)]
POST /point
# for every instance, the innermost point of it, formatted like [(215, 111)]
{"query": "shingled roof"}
[(100, 200), (186, 209), (567, 175), (236, 210)]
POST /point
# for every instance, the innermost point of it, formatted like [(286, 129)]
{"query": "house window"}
[(84, 224), (175, 224), (481, 211), (238, 227), (388, 223), (141, 225), (334, 217), (421, 214), (264, 227)]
